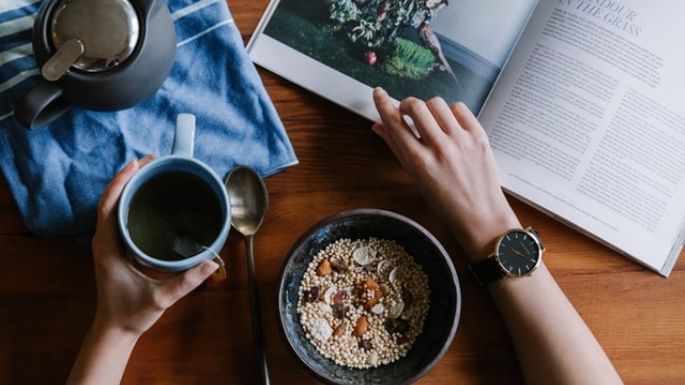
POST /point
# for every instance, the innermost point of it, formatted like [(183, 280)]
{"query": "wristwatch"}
[(518, 253)]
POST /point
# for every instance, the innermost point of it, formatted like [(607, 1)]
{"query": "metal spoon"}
[(249, 202)]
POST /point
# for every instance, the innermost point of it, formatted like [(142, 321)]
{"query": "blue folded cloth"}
[(57, 173)]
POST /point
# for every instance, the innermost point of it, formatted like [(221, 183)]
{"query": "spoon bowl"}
[(249, 200)]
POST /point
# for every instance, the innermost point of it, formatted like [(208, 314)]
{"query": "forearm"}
[(553, 343), (103, 356)]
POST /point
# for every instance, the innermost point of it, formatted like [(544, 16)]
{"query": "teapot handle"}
[(41, 105), (148, 5)]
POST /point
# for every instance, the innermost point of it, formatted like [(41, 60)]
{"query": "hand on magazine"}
[(453, 165)]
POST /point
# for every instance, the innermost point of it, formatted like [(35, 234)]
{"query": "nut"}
[(324, 268), (320, 329), (373, 359), (364, 255), (328, 294), (396, 309), (378, 309), (339, 330), (361, 327)]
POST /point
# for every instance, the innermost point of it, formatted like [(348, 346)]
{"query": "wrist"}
[(481, 238), (103, 329)]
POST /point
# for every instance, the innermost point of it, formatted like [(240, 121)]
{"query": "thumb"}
[(177, 287)]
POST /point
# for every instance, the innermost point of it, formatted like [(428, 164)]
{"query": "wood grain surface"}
[(47, 289)]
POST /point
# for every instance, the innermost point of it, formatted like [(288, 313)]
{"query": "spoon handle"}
[(257, 334)]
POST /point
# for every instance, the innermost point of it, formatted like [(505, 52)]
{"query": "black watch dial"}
[(519, 253)]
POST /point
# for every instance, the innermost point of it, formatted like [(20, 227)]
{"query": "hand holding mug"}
[(127, 299)]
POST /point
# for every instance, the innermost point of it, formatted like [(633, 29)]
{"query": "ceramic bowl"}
[(445, 296)]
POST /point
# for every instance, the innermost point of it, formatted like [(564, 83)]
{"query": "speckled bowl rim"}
[(368, 212)]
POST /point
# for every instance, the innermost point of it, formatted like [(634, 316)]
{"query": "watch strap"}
[(488, 270)]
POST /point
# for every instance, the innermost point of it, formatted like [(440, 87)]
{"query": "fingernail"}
[(379, 92), (209, 267), (130, 166)]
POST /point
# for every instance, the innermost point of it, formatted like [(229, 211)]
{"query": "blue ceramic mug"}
[(181, 161)]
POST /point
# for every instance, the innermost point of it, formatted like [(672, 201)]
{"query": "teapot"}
[(103, 55)]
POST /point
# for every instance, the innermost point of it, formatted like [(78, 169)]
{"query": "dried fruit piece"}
[(340, 266), (360, 290), (339, 311), (340, 330), (312, 295), (396, 325), (371, 290), (370, 303), (361, 327), (320, 329), (403, 339), (370, 284), (340, 296), (324, 268), (407, 297), (365, 344)]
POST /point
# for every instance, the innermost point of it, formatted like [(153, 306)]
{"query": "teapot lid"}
[(108, 30)]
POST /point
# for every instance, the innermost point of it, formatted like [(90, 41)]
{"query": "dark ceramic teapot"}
[(104, 55)]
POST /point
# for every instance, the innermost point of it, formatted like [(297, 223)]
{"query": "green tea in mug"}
[(174, 215)]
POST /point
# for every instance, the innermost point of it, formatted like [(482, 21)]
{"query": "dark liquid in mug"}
[(174, 215)]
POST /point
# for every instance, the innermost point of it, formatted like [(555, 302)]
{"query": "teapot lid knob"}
[(108, 29)]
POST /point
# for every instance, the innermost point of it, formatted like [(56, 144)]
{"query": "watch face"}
[(519, 253)]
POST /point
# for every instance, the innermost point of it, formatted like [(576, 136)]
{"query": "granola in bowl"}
[(362, 303)]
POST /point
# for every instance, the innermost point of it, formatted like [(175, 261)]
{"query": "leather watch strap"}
[(487, 271)]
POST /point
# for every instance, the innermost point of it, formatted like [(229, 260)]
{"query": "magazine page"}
[(341, 49), (588, 121)]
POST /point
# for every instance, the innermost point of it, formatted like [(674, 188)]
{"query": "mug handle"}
[(41, 105), (184, 140)]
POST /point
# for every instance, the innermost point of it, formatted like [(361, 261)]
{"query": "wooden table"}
[(47, 289)]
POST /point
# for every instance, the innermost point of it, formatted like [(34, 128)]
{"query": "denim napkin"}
[(57, 173)]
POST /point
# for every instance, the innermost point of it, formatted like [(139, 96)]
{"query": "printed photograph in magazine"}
[(423, 48)]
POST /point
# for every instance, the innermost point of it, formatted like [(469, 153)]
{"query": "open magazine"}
[(583, 100)]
